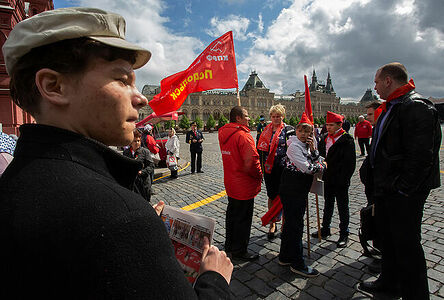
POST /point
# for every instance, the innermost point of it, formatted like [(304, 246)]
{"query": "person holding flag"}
[(272, 146), (338, 148), (302, 162)]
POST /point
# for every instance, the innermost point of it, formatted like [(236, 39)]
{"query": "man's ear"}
[(52, 86), (388, 81)]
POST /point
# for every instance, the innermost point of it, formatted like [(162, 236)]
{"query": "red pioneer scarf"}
[(334, 136), (265, 145), (398, 93)]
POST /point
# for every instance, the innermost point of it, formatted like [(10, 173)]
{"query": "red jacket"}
[(151, 144), (363, 130), (242, 169)]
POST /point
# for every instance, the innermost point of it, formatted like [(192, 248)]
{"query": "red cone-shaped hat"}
[(333, 118), (305, 119)]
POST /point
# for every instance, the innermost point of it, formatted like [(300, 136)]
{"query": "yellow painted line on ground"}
[(180, 170), (204, 201)]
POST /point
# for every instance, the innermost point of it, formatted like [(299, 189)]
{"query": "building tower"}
[(329, 87), (11, 13)]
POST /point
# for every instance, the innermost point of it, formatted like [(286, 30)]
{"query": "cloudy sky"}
[(282, 40)]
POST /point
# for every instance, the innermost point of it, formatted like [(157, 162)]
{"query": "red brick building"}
[(12, 12)]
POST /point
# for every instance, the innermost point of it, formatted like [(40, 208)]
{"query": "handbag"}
[(367, 231), (172, 162)]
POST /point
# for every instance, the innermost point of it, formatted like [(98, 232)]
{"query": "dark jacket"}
[(142, 183), (341, 160), (71, 229), (407, 156), (194, 147)]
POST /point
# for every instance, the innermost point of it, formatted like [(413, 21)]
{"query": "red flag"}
[(308, 110), (214, 68), (274, 213)]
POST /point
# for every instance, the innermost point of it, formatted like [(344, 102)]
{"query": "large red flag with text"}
[(308, 110), (214, 68)]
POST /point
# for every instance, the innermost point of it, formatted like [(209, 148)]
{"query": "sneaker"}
[(306, 272), (342, 242)]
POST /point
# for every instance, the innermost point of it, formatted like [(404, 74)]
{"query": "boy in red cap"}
[(338, 148)]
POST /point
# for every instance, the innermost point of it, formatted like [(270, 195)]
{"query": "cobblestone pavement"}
[(341, 269)]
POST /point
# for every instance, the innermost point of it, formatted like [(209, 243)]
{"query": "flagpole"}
[(308, 229), (317, 214), (238, 97)]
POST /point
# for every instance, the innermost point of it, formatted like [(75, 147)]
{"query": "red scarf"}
[(398, 93), (334, 136), (265, 145)]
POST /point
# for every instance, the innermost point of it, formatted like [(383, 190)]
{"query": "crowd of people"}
[(73, 228)]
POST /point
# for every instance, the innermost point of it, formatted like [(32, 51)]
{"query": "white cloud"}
[(237, 24), (145, 26), (351, 38), (260, 24)]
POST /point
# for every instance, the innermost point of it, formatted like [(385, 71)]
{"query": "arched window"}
[(206, 115), (216, 114), (194, 114)]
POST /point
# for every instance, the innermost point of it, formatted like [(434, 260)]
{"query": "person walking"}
[(195, 138), (242, 179)]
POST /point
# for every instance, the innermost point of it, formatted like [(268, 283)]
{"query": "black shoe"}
[(324, 234), (244, 256), (272, 235), (378, 287), (283, 262), (192, 172), (200, 171), (342, 242), (306, 272)]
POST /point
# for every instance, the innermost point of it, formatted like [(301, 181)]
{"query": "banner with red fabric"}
[(308, 109), (214, 68)]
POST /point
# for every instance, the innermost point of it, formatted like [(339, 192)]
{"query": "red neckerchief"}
[(265, 145), (133, 152), (334, 136), (398, 93)]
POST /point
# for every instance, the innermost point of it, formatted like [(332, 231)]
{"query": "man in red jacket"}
[(363, 132), (242, 178)]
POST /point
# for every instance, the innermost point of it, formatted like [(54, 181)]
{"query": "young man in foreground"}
[(70, 226)]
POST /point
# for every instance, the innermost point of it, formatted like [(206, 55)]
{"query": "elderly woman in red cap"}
[(302, 162), (338, 148)]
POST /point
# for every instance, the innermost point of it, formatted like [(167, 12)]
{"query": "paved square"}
[(341, 269)]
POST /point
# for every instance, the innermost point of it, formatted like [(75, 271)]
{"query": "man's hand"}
[(159, 207), (194, 141), (215, 260)]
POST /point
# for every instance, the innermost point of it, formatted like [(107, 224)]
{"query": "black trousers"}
[(238, 225), (294, 202), (403, 263), (364, 142), (340, 194), (193, 161)]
